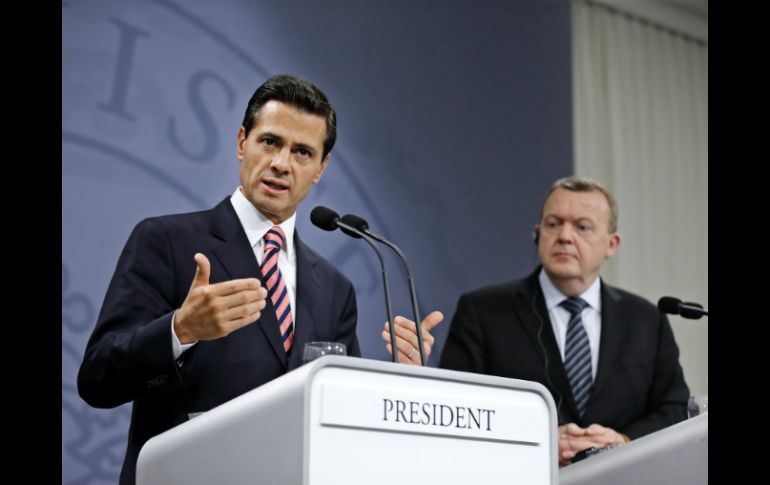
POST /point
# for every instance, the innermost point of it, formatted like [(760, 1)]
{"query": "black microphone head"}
[(350, 233), (324, 218), (355, 221), (691, 310), (669, 304)]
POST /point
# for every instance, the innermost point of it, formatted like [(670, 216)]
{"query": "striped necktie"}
[(577, 354), (276, 286)]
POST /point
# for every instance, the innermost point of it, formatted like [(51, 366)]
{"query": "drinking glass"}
[(697, 404), (314, 350)]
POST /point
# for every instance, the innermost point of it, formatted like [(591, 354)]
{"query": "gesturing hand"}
[(406, 337), (213, 311)]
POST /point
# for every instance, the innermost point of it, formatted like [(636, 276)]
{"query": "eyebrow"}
[(576, 220), (270, 134), (305, 147)]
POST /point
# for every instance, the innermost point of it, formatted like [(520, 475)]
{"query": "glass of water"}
[(314, 350), (697, 405)]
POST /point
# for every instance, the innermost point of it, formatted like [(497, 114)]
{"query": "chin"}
[(562, 271)]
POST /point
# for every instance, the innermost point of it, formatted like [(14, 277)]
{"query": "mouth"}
[(274, 186), (564, 256)]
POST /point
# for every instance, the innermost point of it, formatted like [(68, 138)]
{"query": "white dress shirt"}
[(592, 316), (256, 225)]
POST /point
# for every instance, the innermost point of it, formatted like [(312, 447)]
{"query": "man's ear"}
[(614, 243), (240, 147)]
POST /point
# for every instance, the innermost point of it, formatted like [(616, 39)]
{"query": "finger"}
[(241, 298), (574, 429), (404, 329), (233, 287), (595, 429), (404, 352), (389, 349), (406, 334), (242, 311), (433, 319), (406, 340), (202, 271), (402, 322), (402, 341), (407, 331), (428, 323), (237, 323), (407, 343), (385, 336), (407, 325)]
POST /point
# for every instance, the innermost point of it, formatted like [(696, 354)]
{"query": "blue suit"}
[(129, 355)]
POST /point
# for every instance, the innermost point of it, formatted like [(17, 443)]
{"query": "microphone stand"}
[(412, 290), (384, 282)]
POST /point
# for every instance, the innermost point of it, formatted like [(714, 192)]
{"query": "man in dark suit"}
[(206, 306), (607, 356)]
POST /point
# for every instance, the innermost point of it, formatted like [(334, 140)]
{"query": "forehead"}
[(291, 123), (565, 203)]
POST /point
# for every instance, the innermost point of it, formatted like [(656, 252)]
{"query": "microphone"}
[(687, 309), (328, 220), (324, 218), (363, 226)]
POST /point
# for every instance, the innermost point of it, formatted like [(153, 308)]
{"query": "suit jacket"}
[(639, 386), (129, 356)]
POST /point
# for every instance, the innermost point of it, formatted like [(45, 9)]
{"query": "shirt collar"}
[(257, 224), (553, 297)]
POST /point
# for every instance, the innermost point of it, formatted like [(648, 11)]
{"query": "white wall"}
[(641, 128)]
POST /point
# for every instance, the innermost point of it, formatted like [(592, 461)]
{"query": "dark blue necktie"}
[(577, 354)]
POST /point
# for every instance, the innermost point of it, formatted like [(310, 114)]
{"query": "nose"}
[(566, 233), (280, 161)]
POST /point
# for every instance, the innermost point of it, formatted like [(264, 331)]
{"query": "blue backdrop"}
[(454, 118)]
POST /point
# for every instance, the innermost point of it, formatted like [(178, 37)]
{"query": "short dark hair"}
[(297, 92), (583, 184)]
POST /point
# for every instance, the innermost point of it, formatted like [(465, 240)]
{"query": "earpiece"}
[(536, 235)]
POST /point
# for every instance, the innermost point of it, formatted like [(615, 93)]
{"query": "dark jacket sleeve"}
[(667, 397), (465, 347), (129, 353)]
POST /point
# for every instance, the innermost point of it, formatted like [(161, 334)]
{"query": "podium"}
[(345, 420), (674, 455)]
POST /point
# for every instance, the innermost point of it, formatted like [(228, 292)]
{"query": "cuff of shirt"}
[(176, 346)]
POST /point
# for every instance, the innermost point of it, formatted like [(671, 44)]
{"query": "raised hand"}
[(406, 337), (213, 311)]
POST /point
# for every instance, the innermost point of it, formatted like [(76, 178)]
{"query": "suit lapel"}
[(236, 256), (532, 319), (614, 324), (307, 300)]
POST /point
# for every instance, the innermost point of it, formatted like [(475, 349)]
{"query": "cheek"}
[(250, 165)]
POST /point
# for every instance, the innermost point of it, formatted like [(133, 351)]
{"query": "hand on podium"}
[(573, 439), (406, 337)]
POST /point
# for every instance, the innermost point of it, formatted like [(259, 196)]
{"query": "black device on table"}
[(594, 450)]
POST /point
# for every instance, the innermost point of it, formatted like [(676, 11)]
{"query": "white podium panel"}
[(344, 420), (677, 455)]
